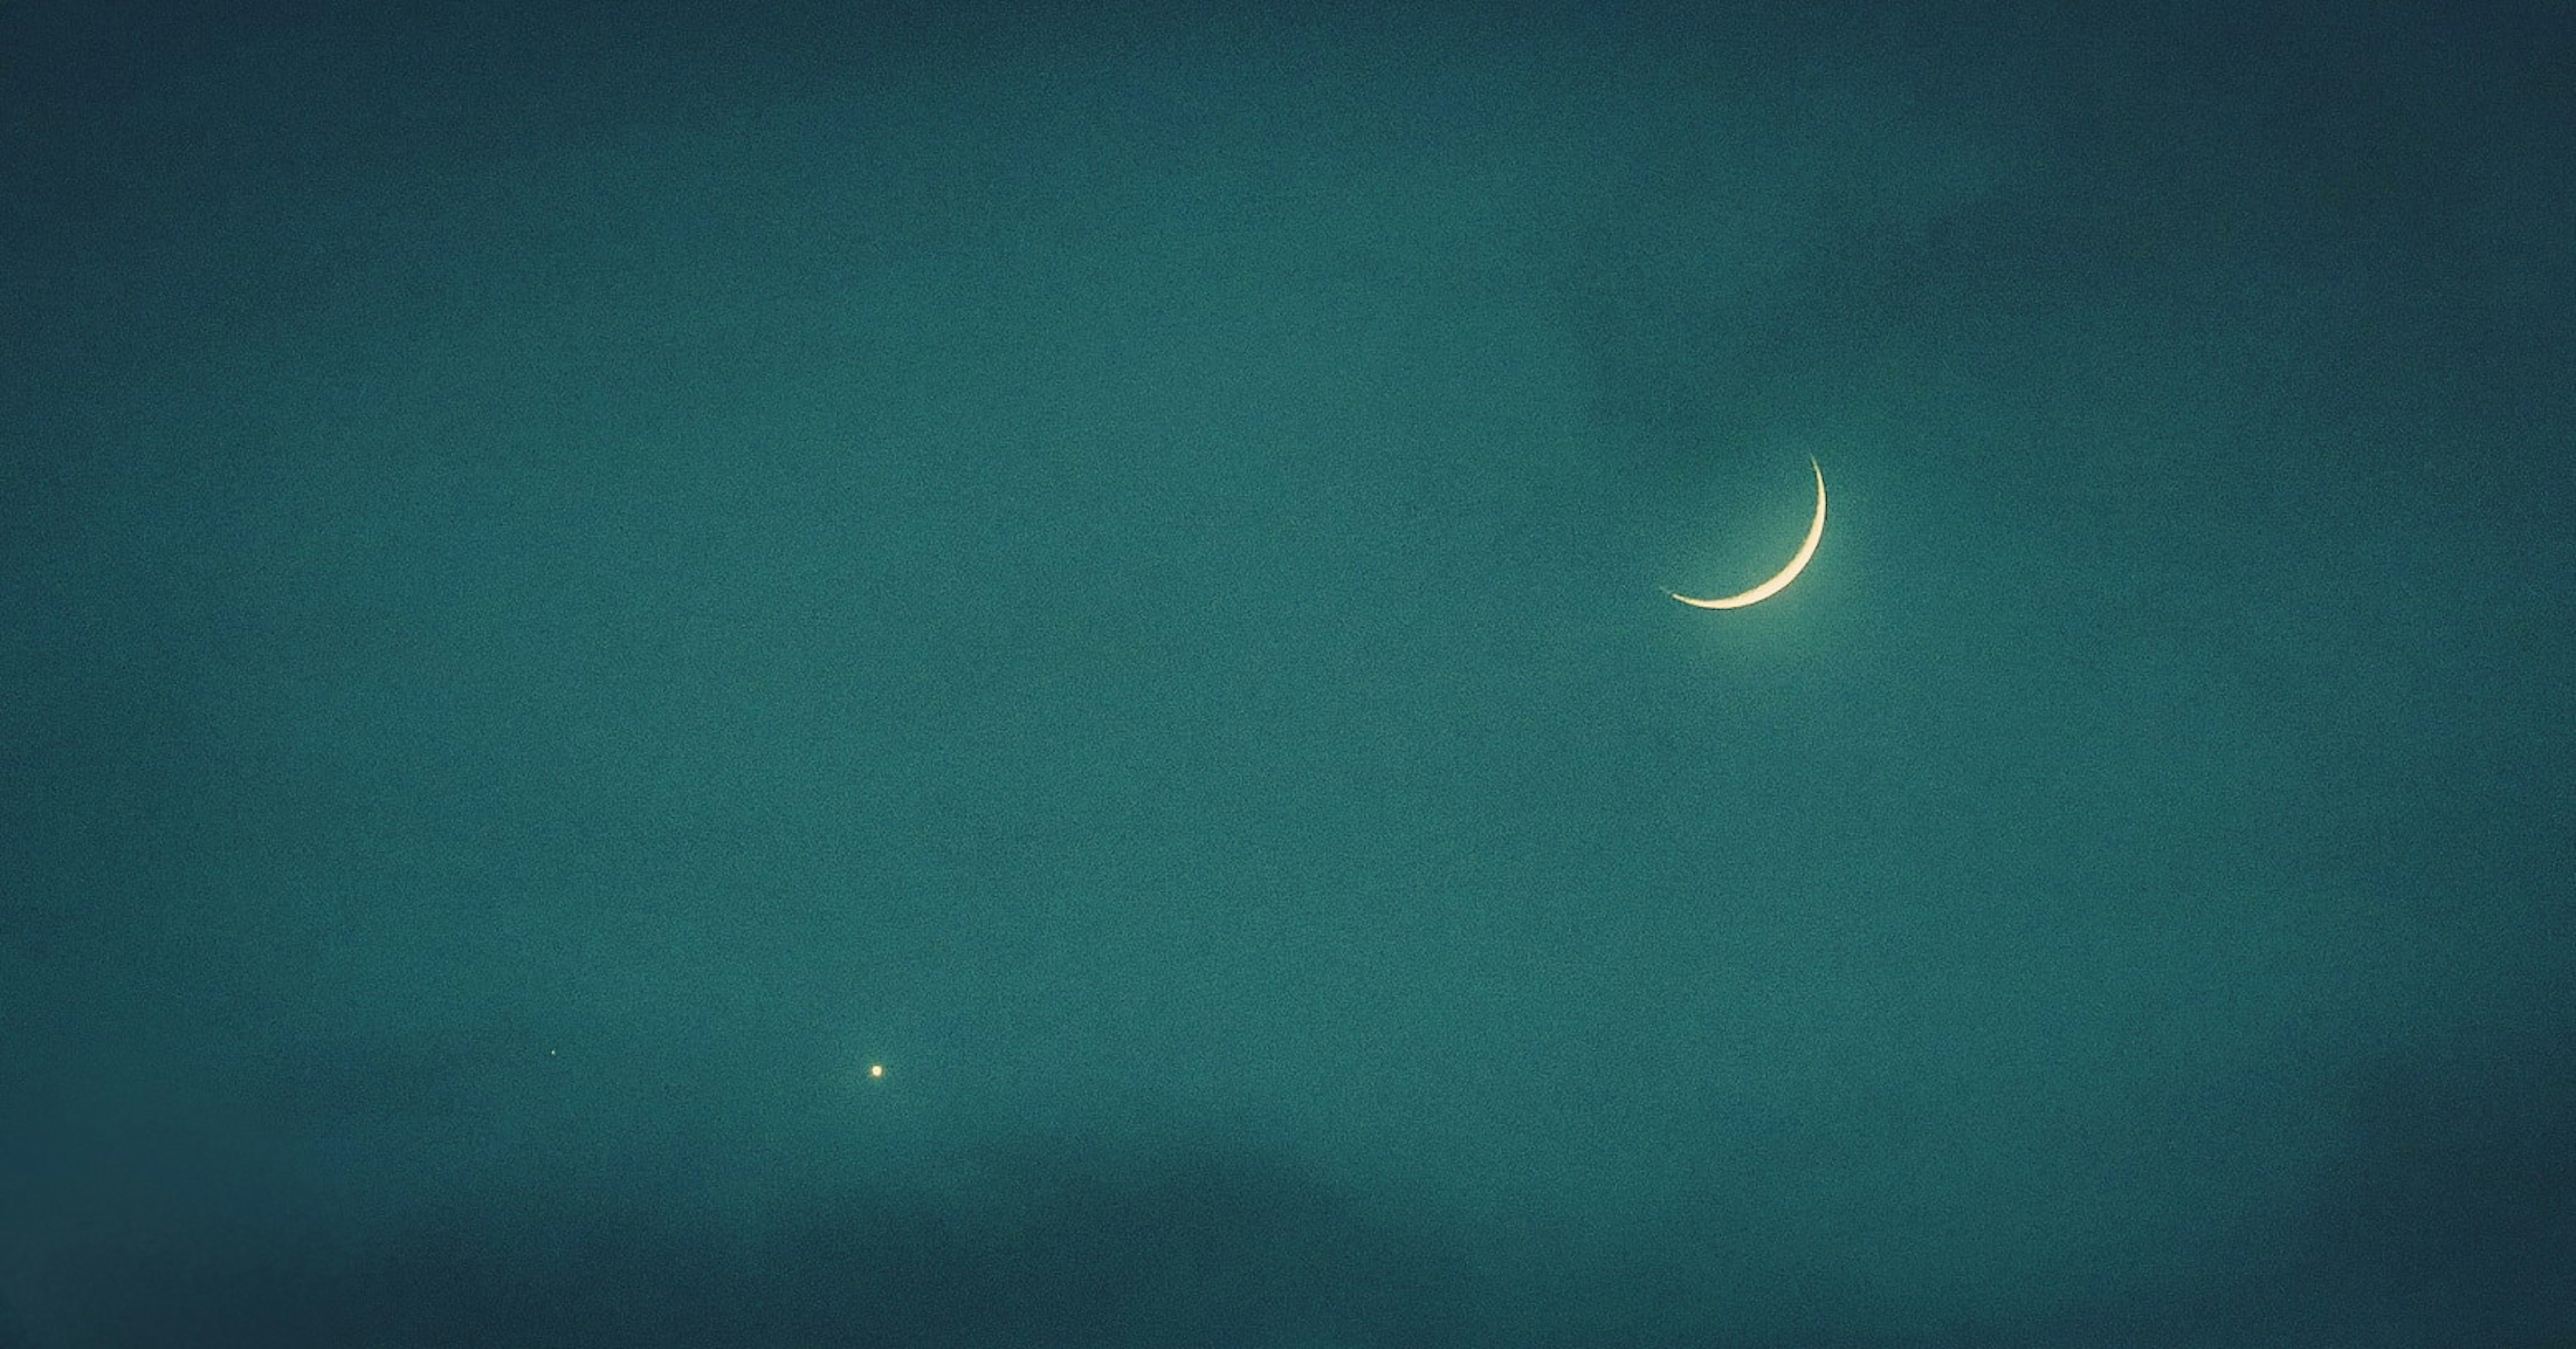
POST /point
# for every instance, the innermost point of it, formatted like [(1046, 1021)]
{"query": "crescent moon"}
[(1806, 550)]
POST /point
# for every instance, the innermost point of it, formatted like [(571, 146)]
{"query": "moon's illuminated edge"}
[(1806, 550)]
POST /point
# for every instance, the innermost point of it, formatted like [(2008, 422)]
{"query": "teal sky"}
[(571, 579)]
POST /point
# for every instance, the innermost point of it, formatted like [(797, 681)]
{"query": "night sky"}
[(573, 576)]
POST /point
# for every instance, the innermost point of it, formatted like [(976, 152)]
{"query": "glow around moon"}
[(1806, 550)]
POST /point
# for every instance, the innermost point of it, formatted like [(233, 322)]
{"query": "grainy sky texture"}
[(572, 576)]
